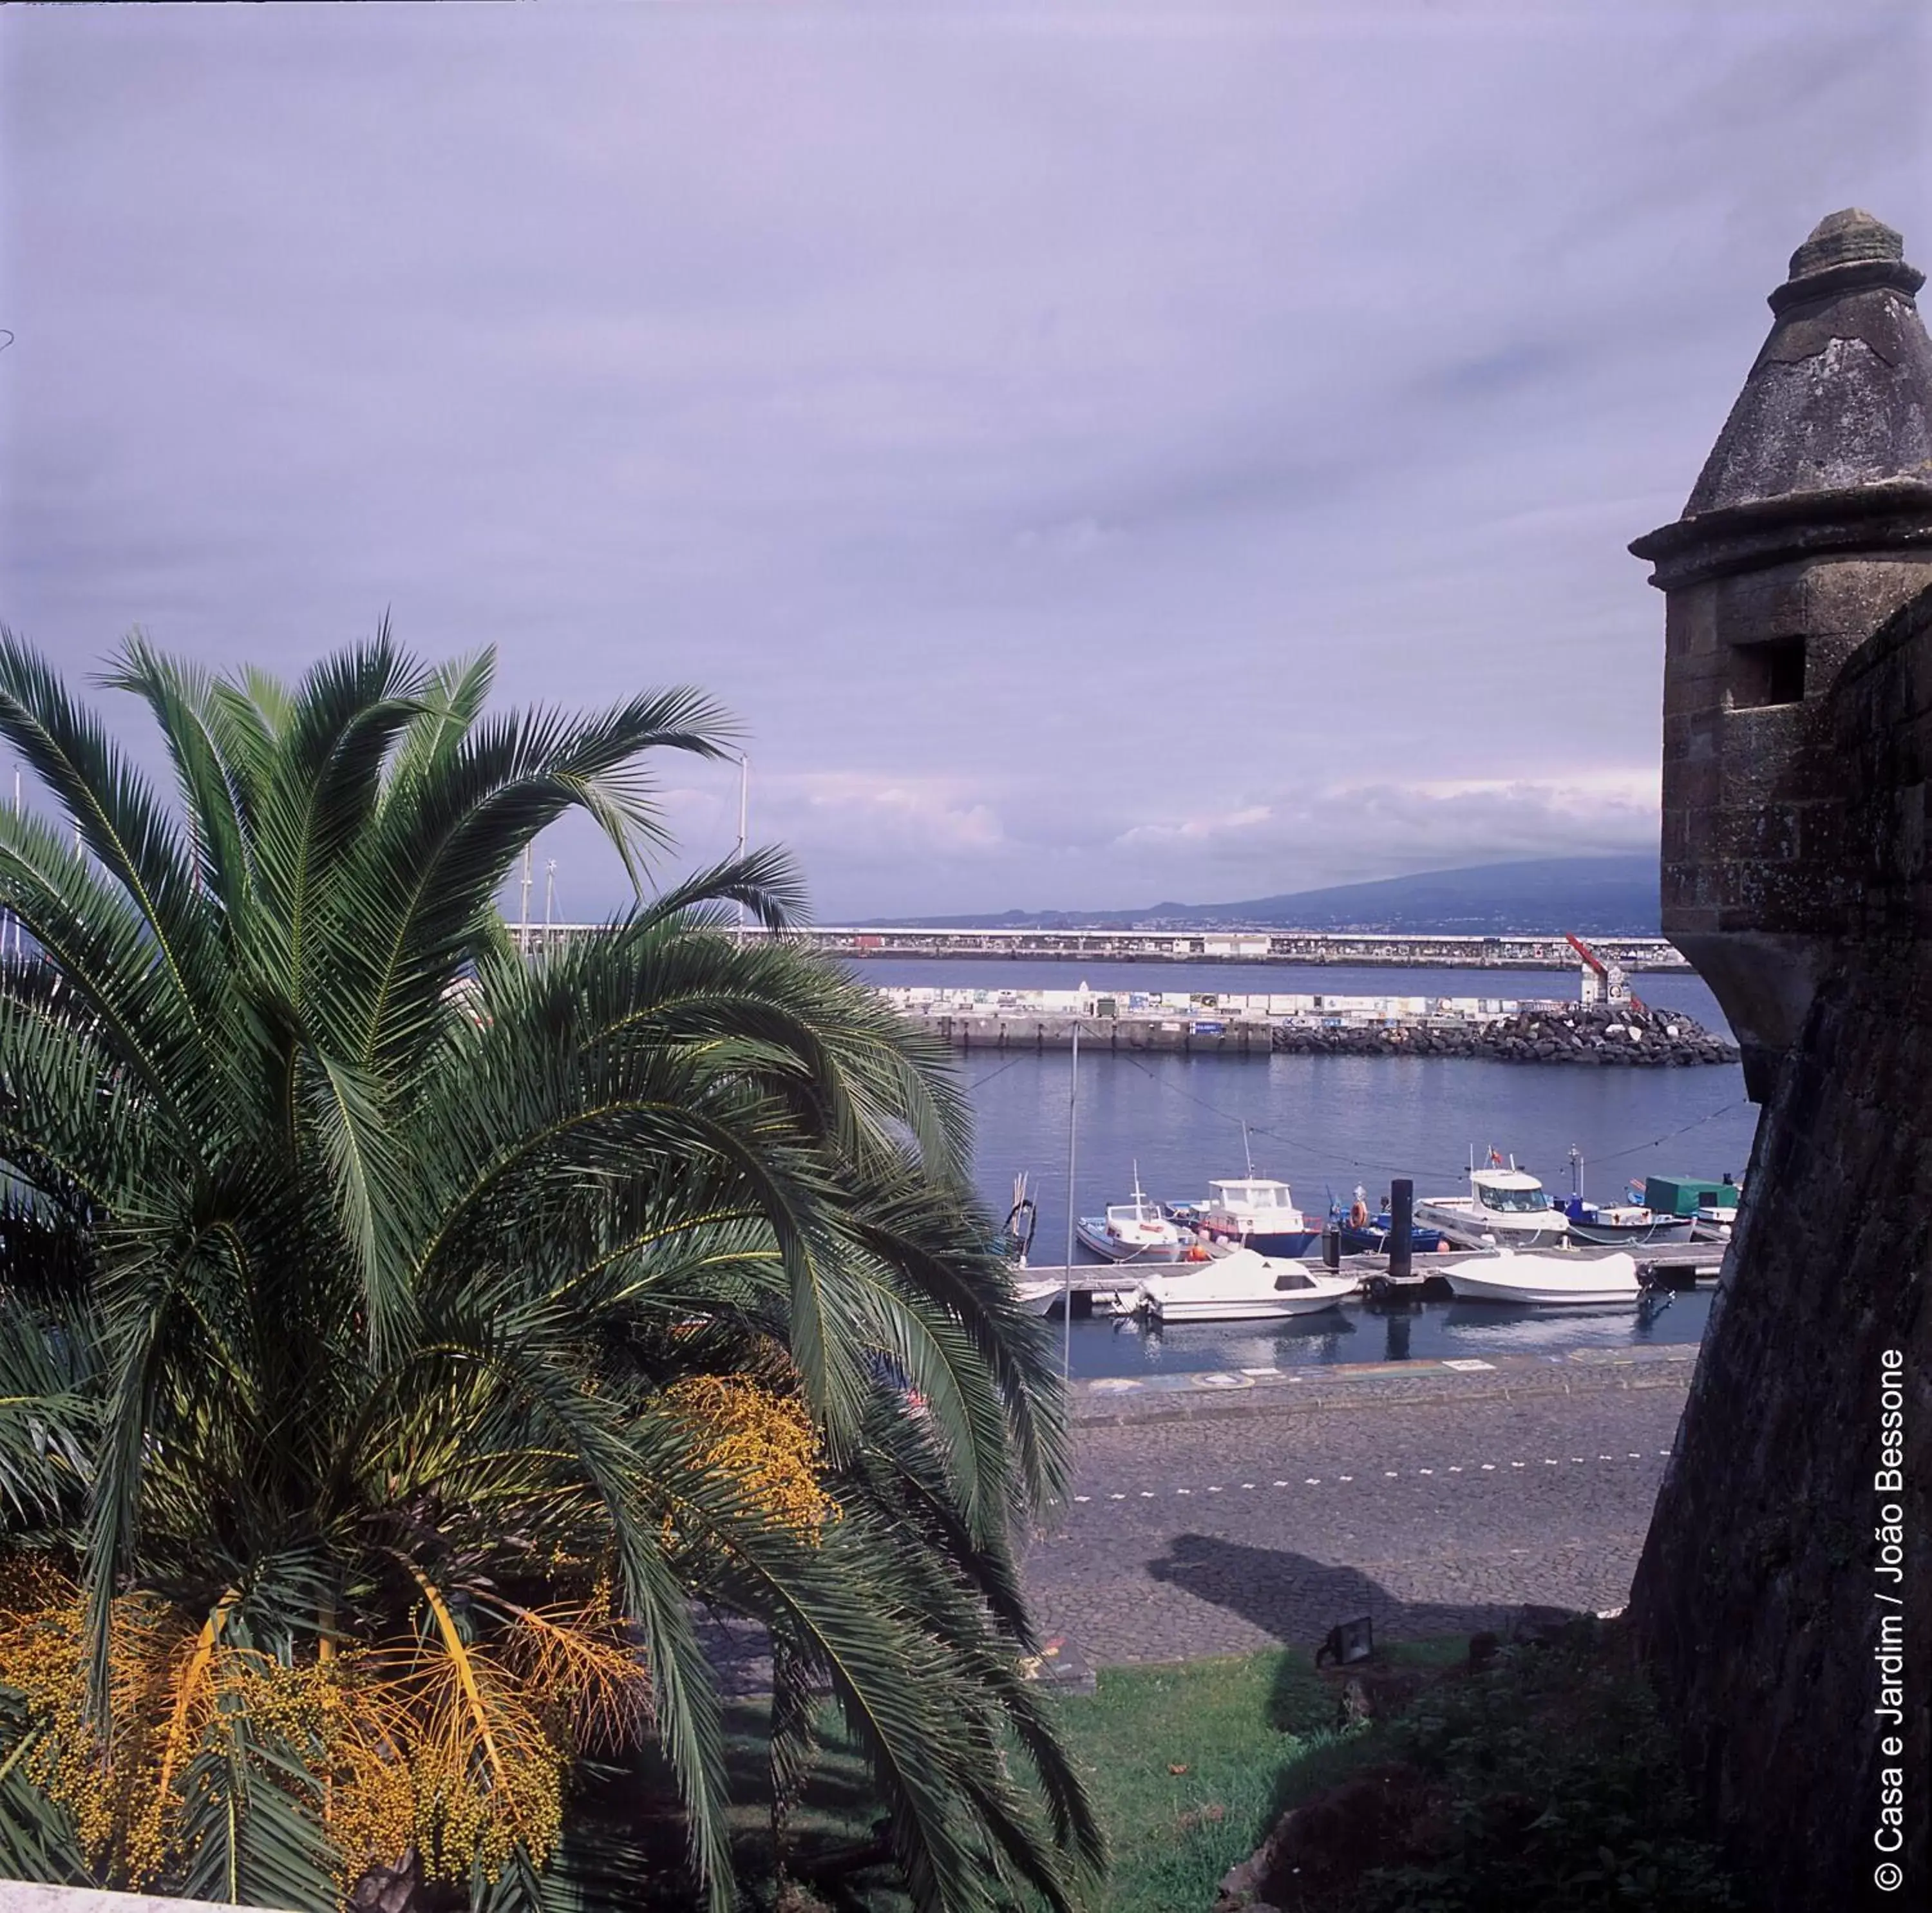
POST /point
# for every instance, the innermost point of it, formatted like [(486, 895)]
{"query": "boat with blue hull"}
[(1252, 1212), (1637, 1222), (1623, 1225), (1371, 1237), (1364, 1232)]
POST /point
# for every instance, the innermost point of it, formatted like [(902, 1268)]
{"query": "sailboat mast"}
[(1066, 1276)]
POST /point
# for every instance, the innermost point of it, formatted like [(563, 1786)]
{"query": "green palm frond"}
[(179, 698), (250, 1825), (355, 1267), (49, 1409), (127, 832)]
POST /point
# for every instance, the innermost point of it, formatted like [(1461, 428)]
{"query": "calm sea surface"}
[(1328, 1125)]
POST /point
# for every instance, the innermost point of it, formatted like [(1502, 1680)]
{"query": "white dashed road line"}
[(1388, 1474)]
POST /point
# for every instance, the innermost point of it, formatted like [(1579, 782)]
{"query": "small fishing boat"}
[(1137, 1231), (1623, 1225), (1506, 1207), (1367, 1232), (1253, 1212), (1241, 1285), (1545, 1281), (1628, 1224)]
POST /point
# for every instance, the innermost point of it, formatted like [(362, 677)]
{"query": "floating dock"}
[(1678, 1266)]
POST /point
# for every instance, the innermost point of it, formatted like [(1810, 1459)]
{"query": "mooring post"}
[(1331, 1245), (1402, 1222)]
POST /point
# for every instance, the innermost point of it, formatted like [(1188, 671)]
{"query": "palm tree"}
[(398, 1337)]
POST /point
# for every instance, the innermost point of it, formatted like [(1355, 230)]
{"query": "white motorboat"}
[(1137, 1231), (1241, 1285), (1040, 1295), (1545, 1281), (1505, 1208)]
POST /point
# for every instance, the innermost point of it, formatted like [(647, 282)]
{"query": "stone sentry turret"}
[(1809, 524), (1784, 1601)]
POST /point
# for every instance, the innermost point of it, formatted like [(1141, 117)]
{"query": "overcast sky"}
[(1099, 454)]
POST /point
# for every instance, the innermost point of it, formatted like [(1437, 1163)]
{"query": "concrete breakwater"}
[(1615, 1035)]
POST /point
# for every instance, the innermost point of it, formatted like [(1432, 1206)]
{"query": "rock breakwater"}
[(1613, 1036)]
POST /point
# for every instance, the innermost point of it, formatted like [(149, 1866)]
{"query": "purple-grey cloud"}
[(1051, 429)]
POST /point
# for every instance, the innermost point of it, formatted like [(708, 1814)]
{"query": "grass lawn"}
[(1189, 1766)]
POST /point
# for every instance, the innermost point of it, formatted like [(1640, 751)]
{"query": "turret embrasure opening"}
[(1769, 671)]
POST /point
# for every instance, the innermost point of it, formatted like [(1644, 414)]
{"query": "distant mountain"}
[(1603, 895)]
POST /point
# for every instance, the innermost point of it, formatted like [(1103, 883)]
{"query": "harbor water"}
[(1329, 1125), (1356, 1332)]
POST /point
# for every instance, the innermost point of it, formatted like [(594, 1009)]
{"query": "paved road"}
[(1190, 1538)]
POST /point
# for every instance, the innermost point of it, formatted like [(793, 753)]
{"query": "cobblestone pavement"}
[(1186, 1539)]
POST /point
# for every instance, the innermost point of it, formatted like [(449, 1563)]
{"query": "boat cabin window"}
[(1251, 1195), (1512, 1201)]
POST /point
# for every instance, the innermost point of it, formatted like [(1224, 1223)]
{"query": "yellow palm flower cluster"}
[(762, 1439), (459, 1747)]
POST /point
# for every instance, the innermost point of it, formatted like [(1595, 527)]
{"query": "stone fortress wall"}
[(1798, 877)]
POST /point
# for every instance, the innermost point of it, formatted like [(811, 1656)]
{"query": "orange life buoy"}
[(1358, 1217)]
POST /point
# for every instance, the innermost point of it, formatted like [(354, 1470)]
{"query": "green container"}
[(1685, 1195)]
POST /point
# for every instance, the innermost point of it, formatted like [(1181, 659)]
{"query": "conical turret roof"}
[(1830, 439)]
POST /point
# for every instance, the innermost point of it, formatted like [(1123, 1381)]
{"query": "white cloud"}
[(865, 813)]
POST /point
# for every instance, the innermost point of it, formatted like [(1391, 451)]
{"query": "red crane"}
[(1610, 976)]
